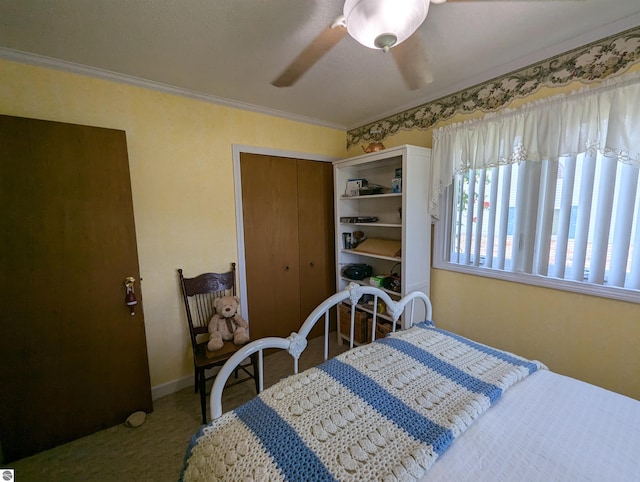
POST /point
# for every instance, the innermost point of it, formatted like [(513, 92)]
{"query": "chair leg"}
[(203, 395), (256, 373)]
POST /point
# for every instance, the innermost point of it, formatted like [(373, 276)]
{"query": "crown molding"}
[(74, 68)]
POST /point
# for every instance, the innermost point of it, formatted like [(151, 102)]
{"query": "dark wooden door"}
[(74, 360), (270, 214), (315, 236)]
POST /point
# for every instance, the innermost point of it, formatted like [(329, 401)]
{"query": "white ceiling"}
[(231, 50)]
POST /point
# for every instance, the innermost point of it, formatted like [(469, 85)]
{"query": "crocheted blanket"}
[(382, 411)]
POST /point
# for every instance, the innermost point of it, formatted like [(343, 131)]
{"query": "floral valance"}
[(606, 118)]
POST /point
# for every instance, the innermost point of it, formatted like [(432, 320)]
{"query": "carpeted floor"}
[(155, 451)]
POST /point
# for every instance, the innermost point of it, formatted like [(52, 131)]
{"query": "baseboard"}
[(173, 386)]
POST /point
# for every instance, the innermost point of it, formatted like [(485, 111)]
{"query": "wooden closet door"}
[(270, 212), (315, 236)]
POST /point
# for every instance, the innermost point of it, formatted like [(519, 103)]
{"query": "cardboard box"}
[(383, 247)]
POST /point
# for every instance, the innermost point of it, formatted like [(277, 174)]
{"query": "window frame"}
[(441, 251)]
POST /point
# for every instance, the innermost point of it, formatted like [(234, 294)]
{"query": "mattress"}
[(549, 427)]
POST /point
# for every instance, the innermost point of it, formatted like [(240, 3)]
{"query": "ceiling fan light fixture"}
[(376, 23), (385, 41)]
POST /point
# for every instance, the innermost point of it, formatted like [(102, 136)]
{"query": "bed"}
[(418, 404)]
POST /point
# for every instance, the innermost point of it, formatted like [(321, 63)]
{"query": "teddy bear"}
[(227, 324)]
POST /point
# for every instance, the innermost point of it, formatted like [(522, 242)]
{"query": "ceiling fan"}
[(377, 24), (387, 25)]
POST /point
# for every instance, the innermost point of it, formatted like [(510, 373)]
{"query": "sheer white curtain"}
[(604, 119)]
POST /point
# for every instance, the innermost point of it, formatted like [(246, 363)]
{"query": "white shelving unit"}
[(401, 216)]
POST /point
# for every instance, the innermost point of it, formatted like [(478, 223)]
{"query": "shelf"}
[(379, 225), (372, 196), (382, 316), (371, 255), (402, 217), (365, 282)]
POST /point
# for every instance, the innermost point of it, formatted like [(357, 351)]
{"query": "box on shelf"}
[(383, 247), (396, 184), (359, 323), (376, 281), (371, 189), (359, 219), (353, 186), (346, 241)]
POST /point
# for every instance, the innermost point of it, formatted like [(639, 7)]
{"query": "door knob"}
[(130, 295), (286, 268)]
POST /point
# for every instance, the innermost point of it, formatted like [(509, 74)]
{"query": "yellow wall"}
[(180, 158), (586, 337), (182, 182)]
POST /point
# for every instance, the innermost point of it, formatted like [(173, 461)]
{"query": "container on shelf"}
[(359, 323)]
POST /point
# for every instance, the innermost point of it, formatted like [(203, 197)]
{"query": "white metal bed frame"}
[(296, 343), (550, 426)]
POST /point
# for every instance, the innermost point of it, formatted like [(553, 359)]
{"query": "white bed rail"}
[(295, 343)]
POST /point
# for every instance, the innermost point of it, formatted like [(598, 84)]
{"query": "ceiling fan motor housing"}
[(381, 24), (385, 41)]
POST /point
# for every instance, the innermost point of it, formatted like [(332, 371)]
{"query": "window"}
[(513, 205), (575, 219)]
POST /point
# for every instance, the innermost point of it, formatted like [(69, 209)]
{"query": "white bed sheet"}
[(569, 431)]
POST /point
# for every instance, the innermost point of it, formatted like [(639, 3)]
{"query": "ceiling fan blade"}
[(411, 59), (324, 42)]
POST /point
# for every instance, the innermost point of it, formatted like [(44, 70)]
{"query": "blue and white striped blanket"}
[(382, 411)]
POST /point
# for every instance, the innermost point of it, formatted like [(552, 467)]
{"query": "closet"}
[(287, 208)]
